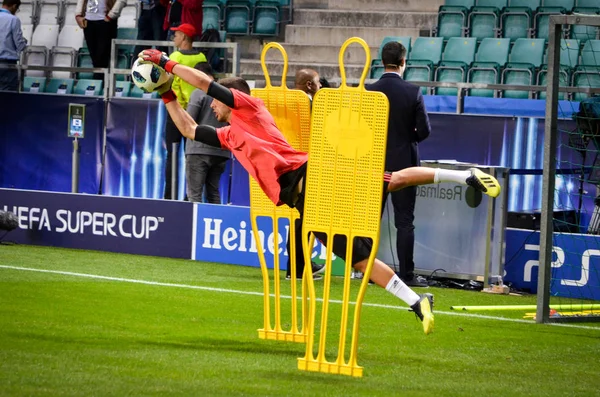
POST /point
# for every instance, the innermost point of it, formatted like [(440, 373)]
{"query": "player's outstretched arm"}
[(192, 76)]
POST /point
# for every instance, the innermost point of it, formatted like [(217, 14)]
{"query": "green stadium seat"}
[(484, 19), (427, 49), (34, 84), (491, 56), (449, 73), (238, 15), (516, 19), (587, 4), (88, 87), (136, 92), (267, 18), (590, 53), (564, 80), (586, 76), (457, 57), (60, 86), (419, 71), (483, 73), (212, 14), (126, 34), (569, 53), (528, 51), (517, 74), (84, 60), (122, 88), (549, 7), (451, 23), (376, 71), (493, 51)]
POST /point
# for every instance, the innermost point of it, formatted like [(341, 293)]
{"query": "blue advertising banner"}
[(134, 226), (575, 263), (35, 151), (224, 235), (136, 151)]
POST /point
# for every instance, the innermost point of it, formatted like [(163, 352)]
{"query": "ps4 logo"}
[(559, 262)]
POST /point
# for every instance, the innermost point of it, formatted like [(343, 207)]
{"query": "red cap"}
[(187, 29)]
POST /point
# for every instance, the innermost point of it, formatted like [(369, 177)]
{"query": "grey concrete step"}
[(354, 54), (380, 19), (317, 35), (386, 5), (251, 69)]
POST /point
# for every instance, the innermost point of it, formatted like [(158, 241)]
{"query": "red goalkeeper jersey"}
[(258, 145)]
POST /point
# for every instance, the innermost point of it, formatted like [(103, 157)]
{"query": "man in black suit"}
[(408, 125)]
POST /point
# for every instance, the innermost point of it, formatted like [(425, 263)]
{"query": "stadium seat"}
[(238, 15), (516, 19), (84, 60), (584, 32), (484, 19), (376, 71), (28, 12), (63, 57), (453, 18), (136, 92), (457, 58), (122, 88), (549, 7), (590, 53), (38, 52), (525, 57), (34, 84), (50, 12), (585, 76), (126, 34), (69, 7), (563, 81), (266, 18), (60, 86), (212, 14), (427, 49), (419, 71), (27, 31), (88, 87), (491, 56)]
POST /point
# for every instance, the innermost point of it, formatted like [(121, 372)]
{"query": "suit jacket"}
[(408, 121)]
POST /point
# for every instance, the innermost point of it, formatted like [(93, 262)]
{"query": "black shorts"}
[(362, 246)]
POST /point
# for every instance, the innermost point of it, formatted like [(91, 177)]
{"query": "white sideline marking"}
[(233, 291)]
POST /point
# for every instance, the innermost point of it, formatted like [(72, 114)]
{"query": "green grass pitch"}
[(166, 327)]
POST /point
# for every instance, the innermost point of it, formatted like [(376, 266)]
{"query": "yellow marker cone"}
[(291, 111), (343, 197)]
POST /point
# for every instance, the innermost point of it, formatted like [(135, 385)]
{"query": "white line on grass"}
[(233, 291)]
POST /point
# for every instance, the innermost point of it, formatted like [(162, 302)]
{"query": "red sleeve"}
[(223, 135), (191, 4), (243, 101)]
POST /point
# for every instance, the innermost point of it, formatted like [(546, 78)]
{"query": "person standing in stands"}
[(183, 11), (183, 40), (150, 22), (204, 164), (98, 19), (12, 43), (306, 80), (408, 125)]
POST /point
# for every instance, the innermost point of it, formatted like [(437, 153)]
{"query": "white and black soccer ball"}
[(147, 75)]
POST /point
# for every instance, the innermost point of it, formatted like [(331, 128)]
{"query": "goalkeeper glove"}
[(165, 91), (159, 58)]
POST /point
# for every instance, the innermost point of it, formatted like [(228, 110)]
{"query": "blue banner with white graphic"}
[(35, 151), (575, 263), (133, 226)]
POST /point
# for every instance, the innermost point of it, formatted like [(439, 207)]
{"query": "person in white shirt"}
[(12, 43), (98, 19)]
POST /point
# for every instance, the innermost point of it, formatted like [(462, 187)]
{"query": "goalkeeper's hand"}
[(159, 58), (165, 91)]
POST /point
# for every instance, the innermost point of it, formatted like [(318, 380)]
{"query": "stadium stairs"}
[(319, 29)]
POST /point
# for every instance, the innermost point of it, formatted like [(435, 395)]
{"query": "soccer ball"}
[(147, 75)]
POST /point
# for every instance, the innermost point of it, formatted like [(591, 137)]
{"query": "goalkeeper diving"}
[(279, 169)]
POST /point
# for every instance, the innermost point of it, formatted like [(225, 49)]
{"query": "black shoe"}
[(424, 311), (417, 281), (317, 269), (315, 277)]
